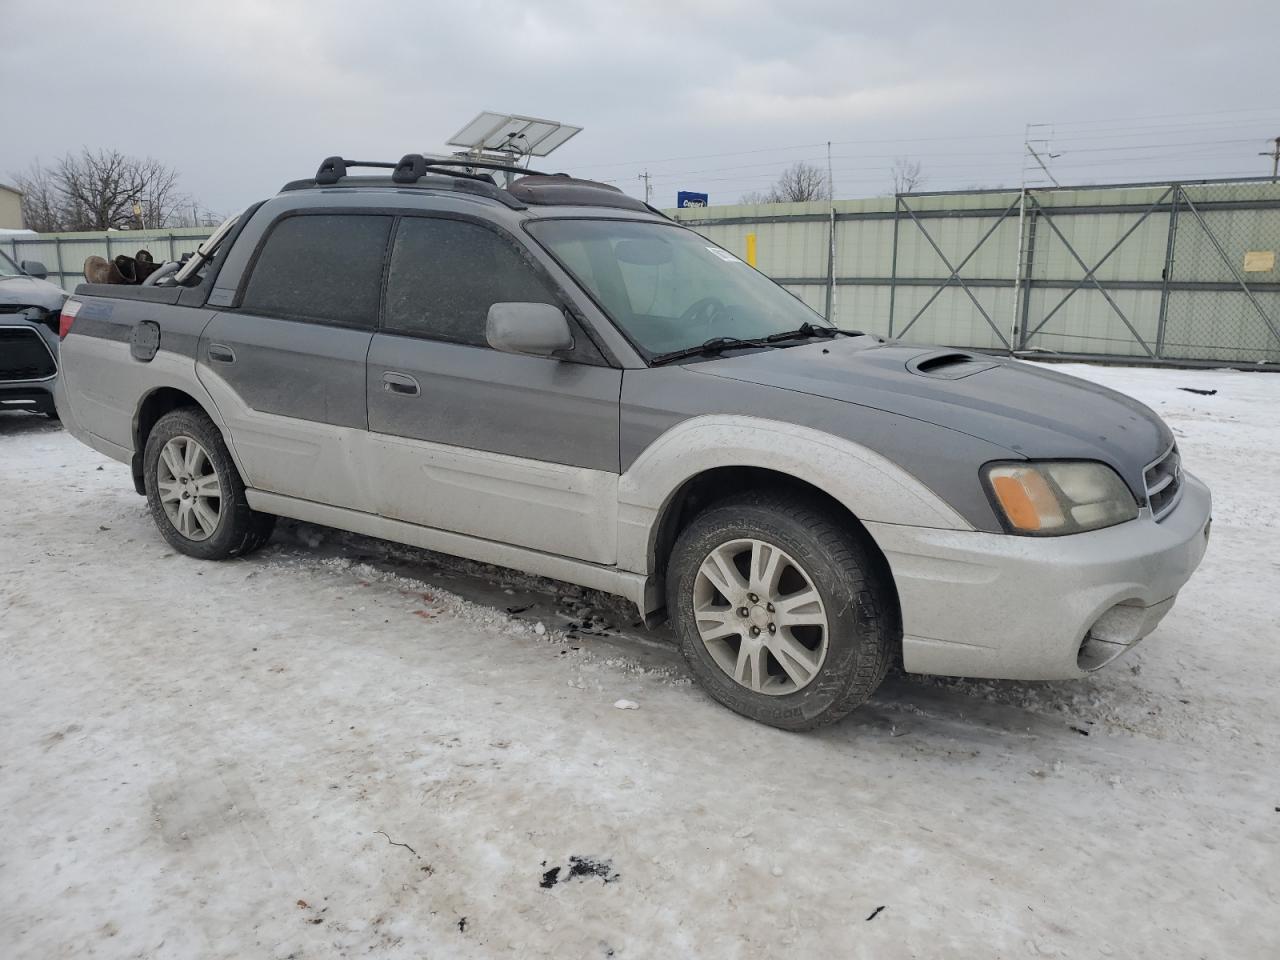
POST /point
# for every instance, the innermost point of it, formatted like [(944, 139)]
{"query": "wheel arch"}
[(155, 403), (716, 454), (709, 486)]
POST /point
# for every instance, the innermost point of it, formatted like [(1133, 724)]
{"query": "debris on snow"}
[(579, 868), (874, 913), (1203, 393), (626, 705), (396, 843)]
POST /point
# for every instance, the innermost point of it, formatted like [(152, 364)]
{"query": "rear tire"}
[(194, 491), (820, 623)]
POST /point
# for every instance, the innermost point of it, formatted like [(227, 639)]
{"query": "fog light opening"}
[(1094, 654)]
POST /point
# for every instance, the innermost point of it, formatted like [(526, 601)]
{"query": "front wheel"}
[(781, 610), (194, 491)]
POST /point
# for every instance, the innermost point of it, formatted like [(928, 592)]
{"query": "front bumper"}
[(1040, 608), (28, 367)]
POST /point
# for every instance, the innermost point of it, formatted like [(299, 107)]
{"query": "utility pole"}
[(648, 189), (1275, 160)]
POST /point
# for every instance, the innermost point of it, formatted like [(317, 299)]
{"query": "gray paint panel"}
[(474, 397), (1030, 411), (943, 460), (291, 368)]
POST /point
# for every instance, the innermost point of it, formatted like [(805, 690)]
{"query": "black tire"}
[(240, 529), (862, 628)]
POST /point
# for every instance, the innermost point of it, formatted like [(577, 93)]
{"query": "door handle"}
[(221, 353), (394, 382)]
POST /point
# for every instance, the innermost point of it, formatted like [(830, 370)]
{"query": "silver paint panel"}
[(505, 447)]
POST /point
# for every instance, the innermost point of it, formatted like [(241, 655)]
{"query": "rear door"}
[(286, 365), (515, 449)]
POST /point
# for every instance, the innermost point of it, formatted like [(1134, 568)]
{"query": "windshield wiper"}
[(805, 329), (708, 348)]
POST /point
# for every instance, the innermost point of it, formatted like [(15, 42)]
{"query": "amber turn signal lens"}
[(1027, 500)]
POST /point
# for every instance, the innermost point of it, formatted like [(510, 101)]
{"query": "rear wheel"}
[(194, 491), (781, 611)]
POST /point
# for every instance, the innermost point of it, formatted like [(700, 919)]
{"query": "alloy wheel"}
[(760, 616), (189, 489)]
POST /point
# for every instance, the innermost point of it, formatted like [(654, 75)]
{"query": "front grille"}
[(24, 355), (1164, 482)]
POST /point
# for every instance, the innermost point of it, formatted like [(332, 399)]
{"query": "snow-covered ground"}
[(341, 747)]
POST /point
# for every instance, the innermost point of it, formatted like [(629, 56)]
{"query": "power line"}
[(1160, 116), (1128, 131), (934, 156)]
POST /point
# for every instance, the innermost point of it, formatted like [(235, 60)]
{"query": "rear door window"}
[(321, 267)]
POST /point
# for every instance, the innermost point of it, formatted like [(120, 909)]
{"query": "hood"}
[(1031, 411), (30, 292)]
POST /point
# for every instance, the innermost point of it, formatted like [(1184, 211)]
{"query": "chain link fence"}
[(1171, 273), (1223, 300)]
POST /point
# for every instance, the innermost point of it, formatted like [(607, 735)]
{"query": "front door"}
[(286, 367), (514, 449)]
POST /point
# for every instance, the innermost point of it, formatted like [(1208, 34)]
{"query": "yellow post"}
[(751, 249)]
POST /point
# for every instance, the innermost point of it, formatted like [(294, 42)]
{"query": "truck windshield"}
[(668, 288), (8, 268)]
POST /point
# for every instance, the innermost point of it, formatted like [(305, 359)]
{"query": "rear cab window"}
[(325, 268)]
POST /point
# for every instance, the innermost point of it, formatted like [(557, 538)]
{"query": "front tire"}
[(194, 491), (782, 611)]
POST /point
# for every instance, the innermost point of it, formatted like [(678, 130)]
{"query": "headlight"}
[(1055, 498)]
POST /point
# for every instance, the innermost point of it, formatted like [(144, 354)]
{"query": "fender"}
[(177, 372), (872, 487)]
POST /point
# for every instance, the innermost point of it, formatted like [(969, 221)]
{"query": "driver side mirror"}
[(535, 329), (34, 268)]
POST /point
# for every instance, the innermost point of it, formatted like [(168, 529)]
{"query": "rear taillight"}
[(67, 317)]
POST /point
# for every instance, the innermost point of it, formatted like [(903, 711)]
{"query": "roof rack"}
[(533, 187), (413, 166)]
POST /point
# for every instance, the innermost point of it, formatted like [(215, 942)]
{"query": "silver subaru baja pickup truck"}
[(554, 377)]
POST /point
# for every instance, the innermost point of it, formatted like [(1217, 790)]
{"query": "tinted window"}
[(445, 274), (326, 267)]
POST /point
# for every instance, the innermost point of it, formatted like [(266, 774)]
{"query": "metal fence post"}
[(1020, 333), (1014, 332), (893, 267), (57, 255), (831, 263), (1166, 278)]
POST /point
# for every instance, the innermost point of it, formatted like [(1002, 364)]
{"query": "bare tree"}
[(41, 201), (798, 183), (101, 190), (908, 175)]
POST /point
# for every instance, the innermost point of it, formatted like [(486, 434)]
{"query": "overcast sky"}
[(710, 95)]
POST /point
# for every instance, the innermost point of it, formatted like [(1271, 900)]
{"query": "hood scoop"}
[(949, 364)]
